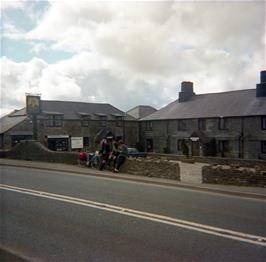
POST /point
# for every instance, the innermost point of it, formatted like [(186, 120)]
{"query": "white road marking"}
[(128, 180), (221, 232)]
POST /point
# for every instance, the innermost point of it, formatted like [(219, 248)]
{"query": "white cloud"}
[(12, 32), (139, 52), (11, 4)]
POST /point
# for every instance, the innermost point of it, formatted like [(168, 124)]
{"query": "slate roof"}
[(70, 111), (141, 111), (74, 110), (226, 104), (9, 121)]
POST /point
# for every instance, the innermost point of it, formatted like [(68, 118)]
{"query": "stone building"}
[(228, 124), (63, 125)]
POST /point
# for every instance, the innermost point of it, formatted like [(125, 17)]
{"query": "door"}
[(195, 148), (149, 145)]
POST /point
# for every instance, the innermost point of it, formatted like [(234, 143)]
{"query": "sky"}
[(128, 53)]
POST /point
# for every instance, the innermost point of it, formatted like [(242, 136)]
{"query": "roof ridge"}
[(216, 93), (80, 102)]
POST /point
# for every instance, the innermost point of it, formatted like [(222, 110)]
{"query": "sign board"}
[(76, 142), (57, 136), (194, 139), (33, 104)]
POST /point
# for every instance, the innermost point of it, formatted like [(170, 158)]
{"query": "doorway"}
[(149, 145), (195, 148)]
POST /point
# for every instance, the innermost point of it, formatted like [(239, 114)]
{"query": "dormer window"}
[(118, 119), (102, 118), (85, 119)]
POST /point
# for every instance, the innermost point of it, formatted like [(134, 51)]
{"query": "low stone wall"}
[(233, 175), (35, 151), (214, 160), (152, 168)]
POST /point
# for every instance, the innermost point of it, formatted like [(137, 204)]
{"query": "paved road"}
[(92, 226)]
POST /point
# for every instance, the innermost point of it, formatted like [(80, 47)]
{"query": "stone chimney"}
[(261, 87), (186, 91)]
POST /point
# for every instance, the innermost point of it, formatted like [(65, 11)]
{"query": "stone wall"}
[(35, 151), (152, 168), (233, 175), (73, 128), (165, 134), (215, 160)]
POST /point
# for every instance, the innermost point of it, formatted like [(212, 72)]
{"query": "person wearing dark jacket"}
[(123, 152), (114, 154), (104, 152)]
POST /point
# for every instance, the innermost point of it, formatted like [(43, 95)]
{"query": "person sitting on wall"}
[(114, 154), (104, 152), (123, 152), (82, 158), (93, 159)]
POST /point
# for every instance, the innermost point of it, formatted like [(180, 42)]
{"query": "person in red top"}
[(82, 158)]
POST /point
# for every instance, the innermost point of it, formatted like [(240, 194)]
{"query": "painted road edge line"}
[(221, 232)]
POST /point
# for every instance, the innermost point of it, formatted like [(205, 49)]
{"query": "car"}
[(133, 152)]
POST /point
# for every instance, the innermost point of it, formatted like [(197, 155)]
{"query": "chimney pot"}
[(261, 87), (186, 91), (263, 76)]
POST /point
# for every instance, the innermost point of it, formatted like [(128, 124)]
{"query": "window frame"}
[(118, 121), (85, 120), (54, 121), (181, 125), (223, 146), (263, 146), (223, 123), (202, 124), (263, 123), (148, 126), (179, 145), (87, 144)]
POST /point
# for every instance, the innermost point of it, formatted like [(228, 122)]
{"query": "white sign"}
[(76, 142), (58, 136), (194, 139)]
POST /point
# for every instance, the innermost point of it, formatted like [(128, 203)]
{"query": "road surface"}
[(52, 216)]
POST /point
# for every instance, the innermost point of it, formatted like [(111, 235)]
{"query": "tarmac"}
[(190, 177)]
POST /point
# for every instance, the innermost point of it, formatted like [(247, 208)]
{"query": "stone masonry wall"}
[(232, 175), (163, 131), (35, 151), (215, 160), (152, 168)]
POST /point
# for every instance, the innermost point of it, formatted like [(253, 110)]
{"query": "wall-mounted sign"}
[(194, 139), (33, 104), (58, 136), (76, 142)]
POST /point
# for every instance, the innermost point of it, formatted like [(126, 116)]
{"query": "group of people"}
[(112, 154)]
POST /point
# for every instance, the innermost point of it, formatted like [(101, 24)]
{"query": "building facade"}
[(229, 124), (65, 126)]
